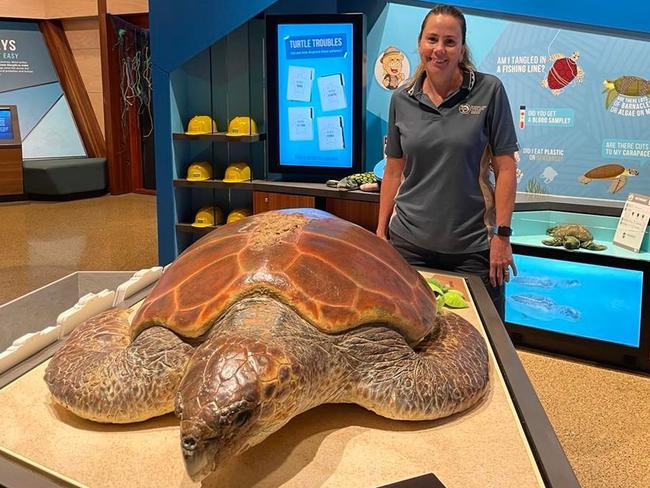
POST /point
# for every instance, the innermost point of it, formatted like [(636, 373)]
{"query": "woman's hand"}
[(501, 260)]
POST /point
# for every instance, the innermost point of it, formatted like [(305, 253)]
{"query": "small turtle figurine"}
[(354, 182), (630, 86), (563, 71), (615, 172), (572, 236), (263, 319)]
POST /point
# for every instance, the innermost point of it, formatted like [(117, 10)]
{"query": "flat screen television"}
[(316, 92), (9, 132)]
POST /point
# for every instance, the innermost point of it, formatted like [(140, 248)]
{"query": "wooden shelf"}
[(183, 183), (189, 229), (220, 137)]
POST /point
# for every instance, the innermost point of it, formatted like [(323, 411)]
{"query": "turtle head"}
[(230, 399)]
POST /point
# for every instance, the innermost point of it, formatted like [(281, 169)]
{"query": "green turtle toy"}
[(572, 236), (357, 181)]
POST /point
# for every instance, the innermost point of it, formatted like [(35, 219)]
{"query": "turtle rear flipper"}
[(551, 242), (617, 184), (592, 246)]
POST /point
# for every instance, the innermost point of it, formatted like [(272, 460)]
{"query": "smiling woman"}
[(448, 127)]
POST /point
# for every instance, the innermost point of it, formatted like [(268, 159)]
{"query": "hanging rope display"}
[(135, 70)]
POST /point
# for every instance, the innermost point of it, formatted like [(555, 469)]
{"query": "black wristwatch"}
[(502, 230)]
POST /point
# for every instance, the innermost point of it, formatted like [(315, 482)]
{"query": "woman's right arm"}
[(389, 185)]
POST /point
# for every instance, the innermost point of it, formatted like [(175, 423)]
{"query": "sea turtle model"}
[(263, 319), (630, 86), (354, 182), (615, 172), (572, 236), (563, 71)]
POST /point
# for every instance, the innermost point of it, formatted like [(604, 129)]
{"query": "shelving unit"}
[(220, 137), (224, 81)]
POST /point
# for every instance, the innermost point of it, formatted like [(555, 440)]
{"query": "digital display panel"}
[(6, 127), (315, 94), (578, 299)]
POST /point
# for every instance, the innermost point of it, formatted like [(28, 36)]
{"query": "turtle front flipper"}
[(611, 96), (100, 375), (444, 374), (617, 183), (592, 246), (552, 242)]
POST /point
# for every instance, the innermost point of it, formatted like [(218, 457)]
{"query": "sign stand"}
[(633, 222)]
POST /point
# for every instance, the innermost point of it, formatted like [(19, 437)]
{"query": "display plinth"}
[(332, 445)]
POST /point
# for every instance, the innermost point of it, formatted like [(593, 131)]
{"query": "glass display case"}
[(587, 303)]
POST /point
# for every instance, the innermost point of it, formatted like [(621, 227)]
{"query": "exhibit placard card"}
[(315, 96), (633, 222)]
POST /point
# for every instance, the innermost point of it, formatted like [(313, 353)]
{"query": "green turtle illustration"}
[(353, 182), (630, 86), (615, 172), (572, 236)]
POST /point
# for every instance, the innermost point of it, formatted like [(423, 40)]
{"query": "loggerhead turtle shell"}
[(605, 171), (333, 273)]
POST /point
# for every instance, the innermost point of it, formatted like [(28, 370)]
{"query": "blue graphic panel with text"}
[(315, 94)]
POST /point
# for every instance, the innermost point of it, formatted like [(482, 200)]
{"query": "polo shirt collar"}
[(469, 80)]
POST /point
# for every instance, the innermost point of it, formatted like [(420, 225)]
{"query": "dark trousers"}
[(477, 263)]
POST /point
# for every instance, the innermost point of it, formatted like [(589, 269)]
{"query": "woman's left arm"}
[(504, 167)]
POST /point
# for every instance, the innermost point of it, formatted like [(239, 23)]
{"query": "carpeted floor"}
[(600, 415)]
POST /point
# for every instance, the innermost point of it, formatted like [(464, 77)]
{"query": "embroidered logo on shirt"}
[(467, 109)]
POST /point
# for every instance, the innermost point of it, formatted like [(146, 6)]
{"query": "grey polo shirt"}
[(446, 201)]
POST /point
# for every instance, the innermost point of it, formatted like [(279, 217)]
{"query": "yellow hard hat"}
[(199, 171), (201, 124), (237, 172), (242, 125), (237, 214), (208, 216)]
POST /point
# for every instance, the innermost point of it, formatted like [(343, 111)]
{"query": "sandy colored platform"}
[(330, 446)]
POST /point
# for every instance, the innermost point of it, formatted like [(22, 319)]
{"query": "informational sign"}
[(6, 129), (315, 95), (633, 222)]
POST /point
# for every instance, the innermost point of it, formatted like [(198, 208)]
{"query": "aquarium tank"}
[(577, 299)]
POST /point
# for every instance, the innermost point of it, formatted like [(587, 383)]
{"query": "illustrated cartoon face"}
[(392, 63)]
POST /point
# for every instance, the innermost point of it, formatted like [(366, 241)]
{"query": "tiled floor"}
[(43, 241), (600, 416)]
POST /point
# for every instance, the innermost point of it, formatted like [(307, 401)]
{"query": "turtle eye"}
[(241, 418)]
